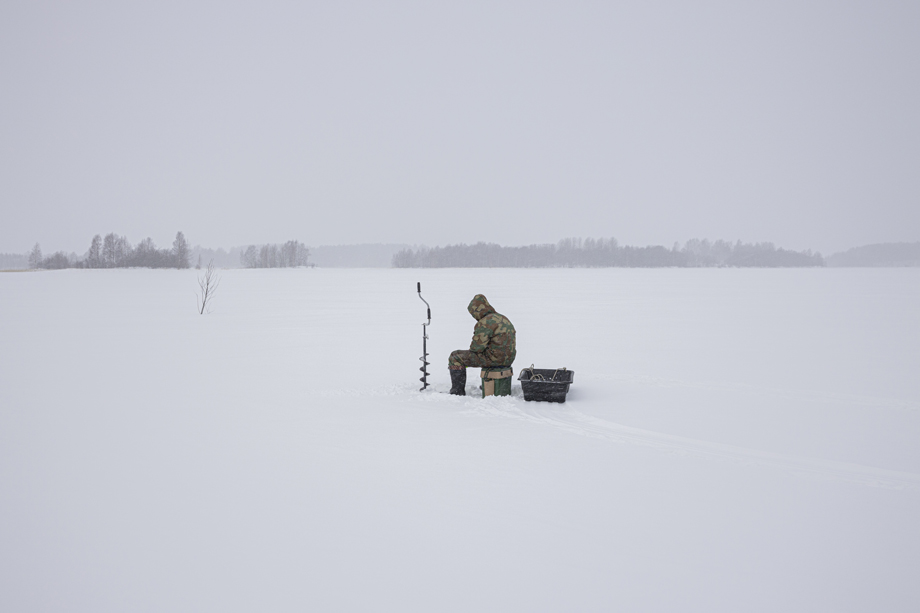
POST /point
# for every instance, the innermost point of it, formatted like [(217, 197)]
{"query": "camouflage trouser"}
[(464, 357)]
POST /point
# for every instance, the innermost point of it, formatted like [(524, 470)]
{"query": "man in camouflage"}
[(493, 344)]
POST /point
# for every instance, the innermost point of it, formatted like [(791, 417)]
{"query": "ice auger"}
[(424, 357)]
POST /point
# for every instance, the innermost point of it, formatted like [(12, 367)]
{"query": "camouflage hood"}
[(479, 307)]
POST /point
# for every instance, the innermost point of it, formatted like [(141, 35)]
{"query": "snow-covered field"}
[(735, 440)]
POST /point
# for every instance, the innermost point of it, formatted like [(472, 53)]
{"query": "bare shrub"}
[(207, 284)]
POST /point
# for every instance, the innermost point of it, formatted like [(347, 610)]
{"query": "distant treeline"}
[(222, 258), (880, 255), (602, 253), (288, 255), (115, 251), (13, 261)]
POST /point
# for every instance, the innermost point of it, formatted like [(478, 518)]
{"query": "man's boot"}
[(458, 382)]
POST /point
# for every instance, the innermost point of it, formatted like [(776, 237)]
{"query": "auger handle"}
[(419, 285)]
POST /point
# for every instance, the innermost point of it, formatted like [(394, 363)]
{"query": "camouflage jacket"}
[(494, 335)]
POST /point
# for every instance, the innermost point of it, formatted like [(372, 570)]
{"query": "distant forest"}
[(891, 255), (289, 255), (115, 251), (13, 261), (602, 253)]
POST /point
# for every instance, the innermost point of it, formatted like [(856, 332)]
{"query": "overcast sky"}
[(434, 123)]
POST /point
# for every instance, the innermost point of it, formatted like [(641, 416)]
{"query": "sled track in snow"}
[(571, 420), (568, 419), (810, 396)]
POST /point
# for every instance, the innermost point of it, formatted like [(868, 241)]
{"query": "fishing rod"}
[(424, 357)]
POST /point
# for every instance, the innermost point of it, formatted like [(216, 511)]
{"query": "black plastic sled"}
[(546, 384)]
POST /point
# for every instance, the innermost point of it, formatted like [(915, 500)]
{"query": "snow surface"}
[(735, 440)]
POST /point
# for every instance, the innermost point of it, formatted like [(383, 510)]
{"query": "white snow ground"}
[(735, 440)]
